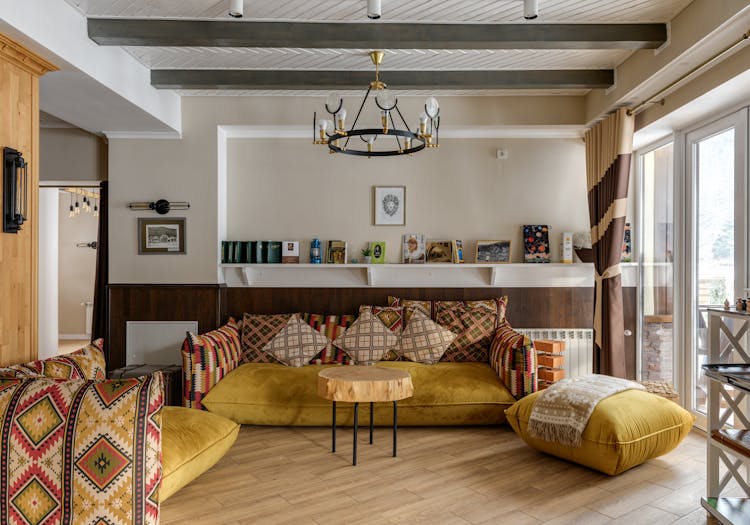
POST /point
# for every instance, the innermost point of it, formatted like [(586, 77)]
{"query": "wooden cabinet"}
[(20, 70)]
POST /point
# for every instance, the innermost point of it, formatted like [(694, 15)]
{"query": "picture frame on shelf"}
[(492, 252), (161, 236), (439, 251), (377, 252), (337, 253), (389, 205), (536, 243), (413, 251), (458, 251)]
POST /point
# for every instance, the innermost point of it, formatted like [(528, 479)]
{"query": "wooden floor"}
[(441, 476)]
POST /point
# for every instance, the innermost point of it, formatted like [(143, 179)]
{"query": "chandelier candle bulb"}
[(423, 124), (384, 120), (341, 122)]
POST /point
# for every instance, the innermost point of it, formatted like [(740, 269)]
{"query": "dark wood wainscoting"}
[(212, 304)]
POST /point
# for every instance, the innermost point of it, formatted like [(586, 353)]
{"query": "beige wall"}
[(68, 154), (77, 267), (186, 169), (290, 190)]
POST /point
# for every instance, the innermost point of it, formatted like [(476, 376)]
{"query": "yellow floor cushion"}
[(444, 394), (192, 442), (624, 430)]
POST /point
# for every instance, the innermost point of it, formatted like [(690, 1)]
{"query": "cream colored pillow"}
[(367, 340), (423, 340), (296, 343)]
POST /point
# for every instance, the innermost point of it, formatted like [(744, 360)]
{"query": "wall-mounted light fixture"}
[(15, 190), (162, 206)]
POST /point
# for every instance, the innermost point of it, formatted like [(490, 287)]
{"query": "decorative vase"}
[(367, 259)]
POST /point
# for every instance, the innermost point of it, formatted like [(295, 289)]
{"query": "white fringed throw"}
[(562, 411)]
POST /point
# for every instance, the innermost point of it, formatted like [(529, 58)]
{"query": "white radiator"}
[(579, 346)]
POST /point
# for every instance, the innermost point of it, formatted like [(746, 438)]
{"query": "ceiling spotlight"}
[(530, 9), (236, 8), (373, 9)]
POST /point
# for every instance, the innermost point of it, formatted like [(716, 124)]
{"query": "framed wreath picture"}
[(390, 205), (161, 235)]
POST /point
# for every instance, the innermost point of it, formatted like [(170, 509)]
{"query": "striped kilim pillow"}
[(367, 340), (513, 357), (296, 343), (423, 340), (207, 358), (76, 451), (332, 326), (85, 363)]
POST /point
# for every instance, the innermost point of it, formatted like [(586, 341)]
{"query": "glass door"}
[(716, 267)]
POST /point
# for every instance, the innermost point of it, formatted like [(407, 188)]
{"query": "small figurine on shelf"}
[(726, 304), (315, 252)]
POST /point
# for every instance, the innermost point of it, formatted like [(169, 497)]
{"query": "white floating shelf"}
[(417, 275)]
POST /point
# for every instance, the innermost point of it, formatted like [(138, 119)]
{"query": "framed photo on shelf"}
[(389, 206), (413, 249), (161, 236), (536, 243), (439, 251), (493, 252)]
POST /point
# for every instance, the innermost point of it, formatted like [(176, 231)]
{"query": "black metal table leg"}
[(333, 429), (372, 405), (356, 421), (395, 426)]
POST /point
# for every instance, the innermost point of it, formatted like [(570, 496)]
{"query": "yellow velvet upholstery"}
[(624, 430), (192, 442), (444, 394)]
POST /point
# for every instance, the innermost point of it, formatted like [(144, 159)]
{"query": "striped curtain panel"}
[(609, 147)]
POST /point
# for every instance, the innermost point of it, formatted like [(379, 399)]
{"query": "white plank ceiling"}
[(401, 11)]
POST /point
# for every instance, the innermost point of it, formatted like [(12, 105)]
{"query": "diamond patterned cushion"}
[(474, 328), (76, 451), (513, 357), (206, 358), (296, 343), (394, 318), (368, 339), (423, 340), (330, 326), (257, 331), (85, 363)]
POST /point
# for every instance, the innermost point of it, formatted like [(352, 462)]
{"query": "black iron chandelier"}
[(362, 141)]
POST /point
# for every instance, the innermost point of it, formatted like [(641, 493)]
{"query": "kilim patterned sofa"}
[(466, 362), (77, 448)]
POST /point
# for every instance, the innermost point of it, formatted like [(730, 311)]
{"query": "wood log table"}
[(362, 384)]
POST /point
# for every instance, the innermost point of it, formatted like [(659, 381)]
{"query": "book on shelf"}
[(290, 252), (336, 253), (274, 252), (458, 251)]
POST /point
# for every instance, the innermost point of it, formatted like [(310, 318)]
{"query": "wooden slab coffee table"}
[(362, 384)]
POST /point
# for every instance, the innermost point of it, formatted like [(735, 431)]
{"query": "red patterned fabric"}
[(61, 461), (86, 363), (513, 357), (331, 326), (206, 359)]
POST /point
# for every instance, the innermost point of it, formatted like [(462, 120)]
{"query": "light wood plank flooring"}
[(442, 476)]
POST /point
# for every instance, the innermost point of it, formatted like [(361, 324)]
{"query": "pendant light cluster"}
[(86, 201)]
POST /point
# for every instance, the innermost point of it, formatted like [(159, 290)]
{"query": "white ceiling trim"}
[(156, 135), (446, 132)]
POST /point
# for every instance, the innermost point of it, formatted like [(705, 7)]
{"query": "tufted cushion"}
[(85, 363), (624, 430), (206, 358), (423, 340), (61, 460), (296, 343), (367, 340)]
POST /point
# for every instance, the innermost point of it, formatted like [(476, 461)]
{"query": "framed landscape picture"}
[(493, 252), (389, 205), (161, 236)]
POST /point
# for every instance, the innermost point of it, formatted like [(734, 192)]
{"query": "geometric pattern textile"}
[(423, 340), (514, 358), (498, 305), (394, 318), (330, 326), (62, 460), (257, 331), (207, 358), (367, 340), (296, 343), (85, 363), (474, 328)]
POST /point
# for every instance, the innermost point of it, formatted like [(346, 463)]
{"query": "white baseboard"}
[(66, 337)]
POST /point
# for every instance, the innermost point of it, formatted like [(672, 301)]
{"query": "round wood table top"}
[(357, 384)]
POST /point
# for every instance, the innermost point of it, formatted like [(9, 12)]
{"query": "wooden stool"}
[(356, 384)]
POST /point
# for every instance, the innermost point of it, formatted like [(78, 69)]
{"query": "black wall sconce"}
[(162, 206), (15, 190)]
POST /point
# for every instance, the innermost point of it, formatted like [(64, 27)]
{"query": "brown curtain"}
[(609, 147), (100, 316)]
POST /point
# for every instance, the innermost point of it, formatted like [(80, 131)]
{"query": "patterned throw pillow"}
[(498, 305), (257, 331), (394, 318), (513, 357), (474, 328), (76, 451), (85, 363), (330, 326), (423, 340), (206, 359), (423, 306), (367, 340), (296, 343)]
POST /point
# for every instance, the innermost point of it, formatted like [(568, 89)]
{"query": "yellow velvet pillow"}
[(192, 442), (624, 430)]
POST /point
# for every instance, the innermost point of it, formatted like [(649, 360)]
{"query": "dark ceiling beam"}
[(221, 33), (402, 80)]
